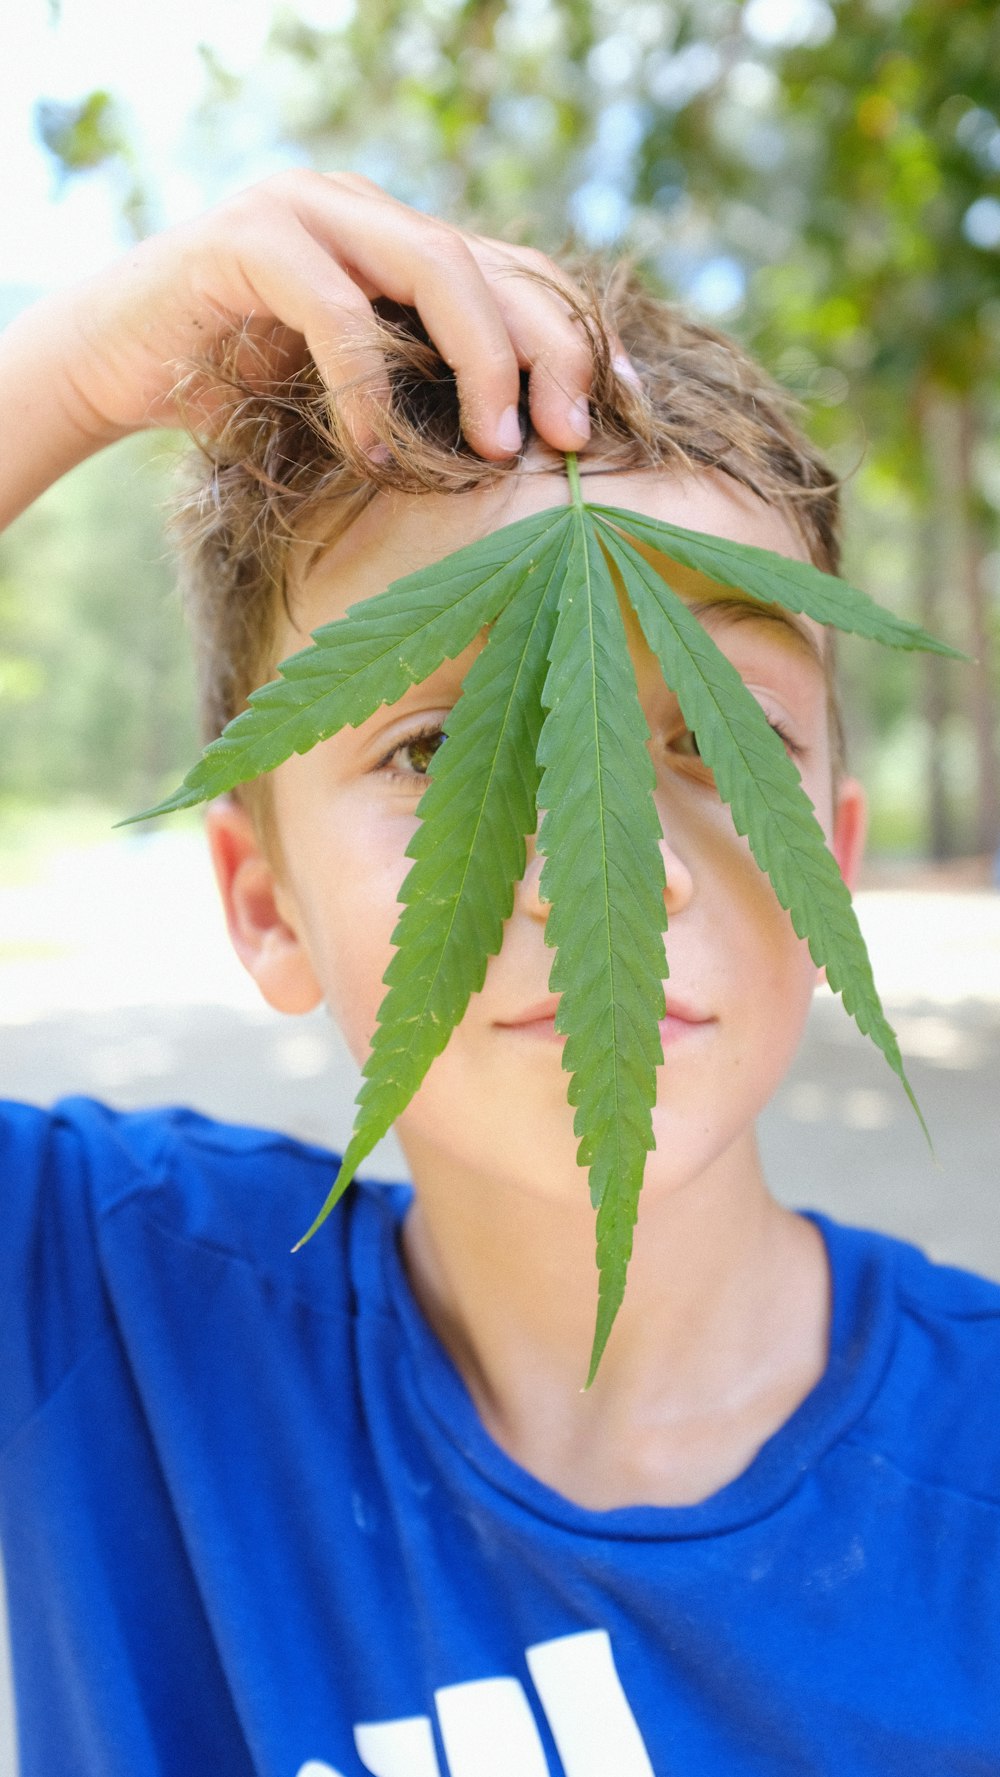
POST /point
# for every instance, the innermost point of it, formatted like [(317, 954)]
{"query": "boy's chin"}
[(535, 1161)]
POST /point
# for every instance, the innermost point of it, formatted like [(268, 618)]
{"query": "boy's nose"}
[(679, 889), (680, 882), (528, 897)]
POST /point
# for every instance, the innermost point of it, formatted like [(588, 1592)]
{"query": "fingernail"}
[(579, 416), (509, 430), (625, 368)]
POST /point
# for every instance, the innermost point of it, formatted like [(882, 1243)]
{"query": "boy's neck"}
[(724, 1330)]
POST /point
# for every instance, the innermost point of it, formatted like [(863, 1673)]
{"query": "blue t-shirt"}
[(253, 1526)]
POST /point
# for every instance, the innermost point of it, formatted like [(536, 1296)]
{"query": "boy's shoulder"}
[(938, 1287), (933, 1415), (134, 1150), (920, 1339), (236, 1190), (119, 1223)]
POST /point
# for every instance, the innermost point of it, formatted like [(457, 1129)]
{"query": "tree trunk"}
[(931, 578), (982, 684)]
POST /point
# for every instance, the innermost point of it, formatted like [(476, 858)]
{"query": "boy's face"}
[(493, 1107)]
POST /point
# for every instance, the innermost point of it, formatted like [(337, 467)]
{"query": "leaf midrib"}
[(582, 528)]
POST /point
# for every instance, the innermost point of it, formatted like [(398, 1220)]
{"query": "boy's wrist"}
[(47, 426)]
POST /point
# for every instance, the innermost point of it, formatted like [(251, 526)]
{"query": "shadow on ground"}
[(840, 1134)]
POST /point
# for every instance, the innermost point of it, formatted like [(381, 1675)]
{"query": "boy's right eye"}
[(416, 749)]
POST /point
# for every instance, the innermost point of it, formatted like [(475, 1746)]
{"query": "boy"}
[(350, 1511)]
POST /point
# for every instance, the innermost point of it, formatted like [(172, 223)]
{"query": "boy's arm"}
[(45, 429), (297, 261)]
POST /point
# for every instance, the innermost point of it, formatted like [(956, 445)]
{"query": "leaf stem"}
[(573, 477)]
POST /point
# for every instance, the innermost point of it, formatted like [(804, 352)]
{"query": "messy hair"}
[(282, 465)]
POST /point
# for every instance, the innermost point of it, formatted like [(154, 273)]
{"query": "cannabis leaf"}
[(549, 719)]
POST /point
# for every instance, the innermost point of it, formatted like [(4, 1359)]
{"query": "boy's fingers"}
[(338, 243), (459, 312), (541, 322), (553, 346), (269, 351), (313, 292), (486, 320), (423, 264), (313, 295), (550, 341)]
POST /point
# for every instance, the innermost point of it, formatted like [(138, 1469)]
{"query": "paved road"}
[(840, 1134), (115, 979)]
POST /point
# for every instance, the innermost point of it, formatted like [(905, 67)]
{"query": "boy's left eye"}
[(417, 750), (684, 743)]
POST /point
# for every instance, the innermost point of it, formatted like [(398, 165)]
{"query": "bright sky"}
[(145, 54)]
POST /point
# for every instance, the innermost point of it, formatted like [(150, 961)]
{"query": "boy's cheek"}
[(354, 912)]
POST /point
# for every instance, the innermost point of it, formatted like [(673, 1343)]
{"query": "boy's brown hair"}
[(283, 467)]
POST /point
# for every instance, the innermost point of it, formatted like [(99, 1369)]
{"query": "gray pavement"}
[(840, 1134), (116, 979)]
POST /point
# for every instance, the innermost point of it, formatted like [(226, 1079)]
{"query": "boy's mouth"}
[(539, 1021)]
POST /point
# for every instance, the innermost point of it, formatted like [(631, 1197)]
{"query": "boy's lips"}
[(539, 1020)]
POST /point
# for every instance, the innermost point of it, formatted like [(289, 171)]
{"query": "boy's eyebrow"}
[(743, 610)]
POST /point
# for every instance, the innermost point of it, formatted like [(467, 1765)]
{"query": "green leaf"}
[(775, 579), (755, 775), (469, 854), (604, 876), (549, 715), (367, 658)]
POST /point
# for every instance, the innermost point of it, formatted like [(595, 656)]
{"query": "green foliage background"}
[(822, 177), (96, 699)]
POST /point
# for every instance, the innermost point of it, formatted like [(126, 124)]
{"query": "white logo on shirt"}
[(488, 1729)]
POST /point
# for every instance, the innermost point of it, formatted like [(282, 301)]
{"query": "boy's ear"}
[(260, 911), (847, 841), (850, 825)]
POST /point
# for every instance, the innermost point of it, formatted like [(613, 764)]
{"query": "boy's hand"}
[(298, 260)]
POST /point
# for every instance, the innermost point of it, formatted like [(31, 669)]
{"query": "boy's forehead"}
[(397, 534)]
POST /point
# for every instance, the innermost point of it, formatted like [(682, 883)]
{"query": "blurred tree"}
[(827, 176), (881, 146), (821, 175), (95, 678), (93, 134)]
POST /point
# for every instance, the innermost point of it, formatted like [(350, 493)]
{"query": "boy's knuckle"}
[(225, 218), (292, 183), (249, 203), (494, 363), (533, 259), (241, 215), (279, 196), (444, 248)]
